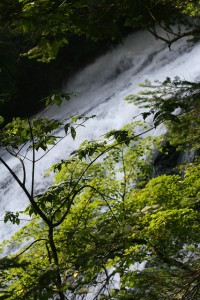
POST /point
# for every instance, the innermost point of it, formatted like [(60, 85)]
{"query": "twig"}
[(29, 247)]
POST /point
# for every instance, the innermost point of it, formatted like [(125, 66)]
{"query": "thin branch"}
[(15, 177), (28, 220), (107, 280), (107, 150), (170, 261), (18, 153), (74, 192), (29, 247), (47, 108), (62, 3), (24, 157), (186, 287), (105, 284), (48, 251), (33, 162), (125, 182), (79, 218), (68, 208), (21, 161), (110, 208), (61, 138), (161, 26), (175, 39), (31, 199)]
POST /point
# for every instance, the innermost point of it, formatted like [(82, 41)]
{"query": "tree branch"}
[(31, 199), (33, 161), (21, 161), (29, 247)]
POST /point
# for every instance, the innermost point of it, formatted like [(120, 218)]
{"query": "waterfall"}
[(100, 89)]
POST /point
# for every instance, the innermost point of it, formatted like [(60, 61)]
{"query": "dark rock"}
[(166, 161)]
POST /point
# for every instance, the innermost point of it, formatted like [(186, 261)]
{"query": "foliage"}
[(77, 183), (185, 135), (175, 102), (104, 217), (112, 224), (49, 24), (166, 100), (105, 227)]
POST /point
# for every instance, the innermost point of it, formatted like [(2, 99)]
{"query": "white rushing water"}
[(99, 89)]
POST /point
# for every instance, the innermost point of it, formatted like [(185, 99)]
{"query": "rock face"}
[(167, 161), (25, 81), (164, 162)]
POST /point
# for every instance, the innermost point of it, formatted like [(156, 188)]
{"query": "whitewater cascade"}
[(99, 90)]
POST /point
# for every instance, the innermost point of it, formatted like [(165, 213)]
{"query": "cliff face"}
[(24, 82)]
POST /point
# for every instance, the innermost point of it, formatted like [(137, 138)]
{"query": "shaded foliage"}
[(50, 23)]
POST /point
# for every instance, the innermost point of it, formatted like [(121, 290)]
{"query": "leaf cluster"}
[(48, 24), (166, 100)]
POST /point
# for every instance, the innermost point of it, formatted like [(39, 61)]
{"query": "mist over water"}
[(99, 90)]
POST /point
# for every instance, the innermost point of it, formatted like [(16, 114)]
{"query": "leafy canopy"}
[(107, 227), (114, 221), (47, 25)]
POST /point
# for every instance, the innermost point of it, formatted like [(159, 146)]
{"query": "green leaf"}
[(146, 114), (66, 127), (73, 132)]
